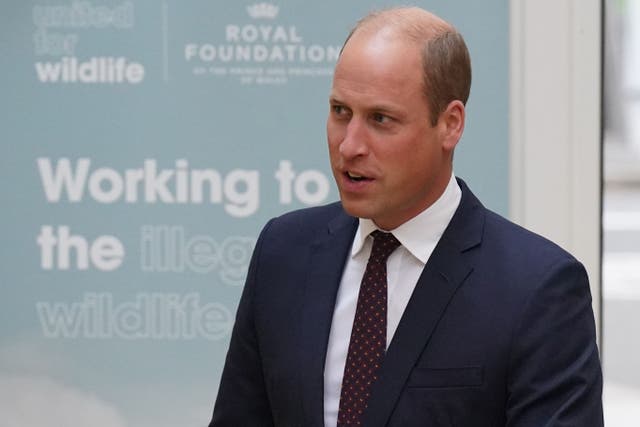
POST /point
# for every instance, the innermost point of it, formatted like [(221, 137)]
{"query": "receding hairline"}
[(446, 64), (411, 23)]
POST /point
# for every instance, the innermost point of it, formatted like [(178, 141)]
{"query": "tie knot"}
[(383, 245)]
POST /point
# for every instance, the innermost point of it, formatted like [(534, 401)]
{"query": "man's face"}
[(387, 159)]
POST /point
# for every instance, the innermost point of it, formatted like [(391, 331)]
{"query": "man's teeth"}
[(354, 176)]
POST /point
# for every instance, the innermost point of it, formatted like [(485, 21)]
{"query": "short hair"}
[(446, 64)]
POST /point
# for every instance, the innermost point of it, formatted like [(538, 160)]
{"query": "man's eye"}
[(380, 118), (338, 109)]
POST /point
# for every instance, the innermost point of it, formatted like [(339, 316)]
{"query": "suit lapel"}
[(446, 270), (328, 257)]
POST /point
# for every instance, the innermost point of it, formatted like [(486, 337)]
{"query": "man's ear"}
[(451, 124)]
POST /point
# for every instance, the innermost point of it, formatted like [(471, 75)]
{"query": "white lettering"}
[(104, 69), (168, 316), (249, 33), (233, 33), (156, 185), (82, 14), (114, 182), (287, 179), (199, 178), (166, 248), (190, 50), (132, 178), (315, 178), (243, 203), (255, 52), (72, 182), (105, 253), (238, 190)]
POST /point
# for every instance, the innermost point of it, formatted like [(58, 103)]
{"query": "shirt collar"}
[(422, 232)]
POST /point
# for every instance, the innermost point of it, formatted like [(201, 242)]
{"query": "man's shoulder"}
[(502, 235), (313, 220), (315, 212), (521, 242)]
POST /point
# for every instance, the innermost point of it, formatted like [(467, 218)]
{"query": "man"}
[(472, 321)]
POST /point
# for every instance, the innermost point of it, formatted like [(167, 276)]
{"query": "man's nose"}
[(355, 142)]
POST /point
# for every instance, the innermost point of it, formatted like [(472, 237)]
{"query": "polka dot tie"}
[(368, 341)]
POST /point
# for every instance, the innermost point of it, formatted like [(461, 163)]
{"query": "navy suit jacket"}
[(499, 330)]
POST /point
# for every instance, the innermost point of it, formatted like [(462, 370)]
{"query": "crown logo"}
[(263, 11)]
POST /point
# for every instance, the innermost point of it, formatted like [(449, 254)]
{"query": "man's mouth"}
[(356, 177)]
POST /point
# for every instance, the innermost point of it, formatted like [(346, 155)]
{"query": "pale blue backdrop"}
[(141, 142)]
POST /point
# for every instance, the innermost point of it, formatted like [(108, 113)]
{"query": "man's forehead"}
[(379, 56), (374, 92), (376, 37), (409, 23)]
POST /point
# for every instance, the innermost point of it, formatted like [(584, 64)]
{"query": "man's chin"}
[(358, 209)]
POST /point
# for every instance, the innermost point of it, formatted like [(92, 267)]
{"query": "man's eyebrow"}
[(383, 108)]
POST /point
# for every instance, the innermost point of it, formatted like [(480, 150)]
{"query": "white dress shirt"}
[(418, 237)]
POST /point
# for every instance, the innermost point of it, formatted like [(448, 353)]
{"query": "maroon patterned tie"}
[(368, 341)]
